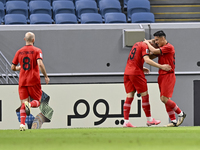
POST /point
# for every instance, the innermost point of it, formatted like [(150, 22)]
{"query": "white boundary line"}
[(107, 74)]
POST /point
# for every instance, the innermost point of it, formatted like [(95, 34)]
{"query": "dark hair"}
[(159, 34)]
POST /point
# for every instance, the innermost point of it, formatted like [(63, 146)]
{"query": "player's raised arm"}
[(43, 70), (151, 48)]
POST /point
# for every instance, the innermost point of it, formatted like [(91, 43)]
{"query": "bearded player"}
[(30, 59), (134, 80), (166, 80)]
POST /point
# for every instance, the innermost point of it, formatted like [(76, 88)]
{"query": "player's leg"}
[(23, 94), (170, 111), (168, 84), (173, 106), (147, 109), (35, 93), (140, 83), (130, 90)]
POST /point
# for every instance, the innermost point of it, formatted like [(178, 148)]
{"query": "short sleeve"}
[(166, 49), (15, 59), (39, 54), (145, 50)]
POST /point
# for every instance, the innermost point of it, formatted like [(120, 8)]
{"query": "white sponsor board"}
[(84, 105)]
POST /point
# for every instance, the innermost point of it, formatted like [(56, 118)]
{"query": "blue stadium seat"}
[(41, 0), (100, 0), (27, 1), (143, 17), (81, 0), (15, 19), (135, 6), (91, 18), (40, 7), (85, 6), (65, 19), (2, 12), (40, 19), (17, 7), (106, 6), (63, 7), (115, 18), (62, 0)]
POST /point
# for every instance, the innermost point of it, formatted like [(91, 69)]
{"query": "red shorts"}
[(34, 92), (135, 83), (166, 84)]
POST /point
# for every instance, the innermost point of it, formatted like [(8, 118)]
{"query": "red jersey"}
[(167, 56), (27, 58), (135, 60)]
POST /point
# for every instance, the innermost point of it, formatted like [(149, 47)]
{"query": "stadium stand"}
[(91, 18), (134, 6), (115, 18), (78, 7), (2, 12), (40, 7), (40, 19), (142, 17), (17, 7), (11, 19), (85, 6), (63, 7), (65, 18), (106, 6)]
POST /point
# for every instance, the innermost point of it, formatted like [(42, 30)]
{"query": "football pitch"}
[(143, 138)]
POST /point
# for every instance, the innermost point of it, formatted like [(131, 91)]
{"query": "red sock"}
[(127, 107), (146, 105), (173, 106), (22, 114), (35, 103), (170, 112)]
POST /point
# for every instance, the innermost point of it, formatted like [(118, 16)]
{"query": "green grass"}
[(155, 138)]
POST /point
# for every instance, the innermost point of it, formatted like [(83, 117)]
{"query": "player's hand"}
[(18, 68), (47, 80), (146, 70), (166, 67), (146, 41)]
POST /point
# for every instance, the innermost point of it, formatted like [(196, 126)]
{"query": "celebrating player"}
[(30, 59), (166, 80), (134, 80)]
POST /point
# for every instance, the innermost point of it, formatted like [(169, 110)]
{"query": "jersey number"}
[(132, 53), (26, 65)]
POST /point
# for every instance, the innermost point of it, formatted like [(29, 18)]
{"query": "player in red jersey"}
[(30, 59), (134, 80), (166, 80)]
